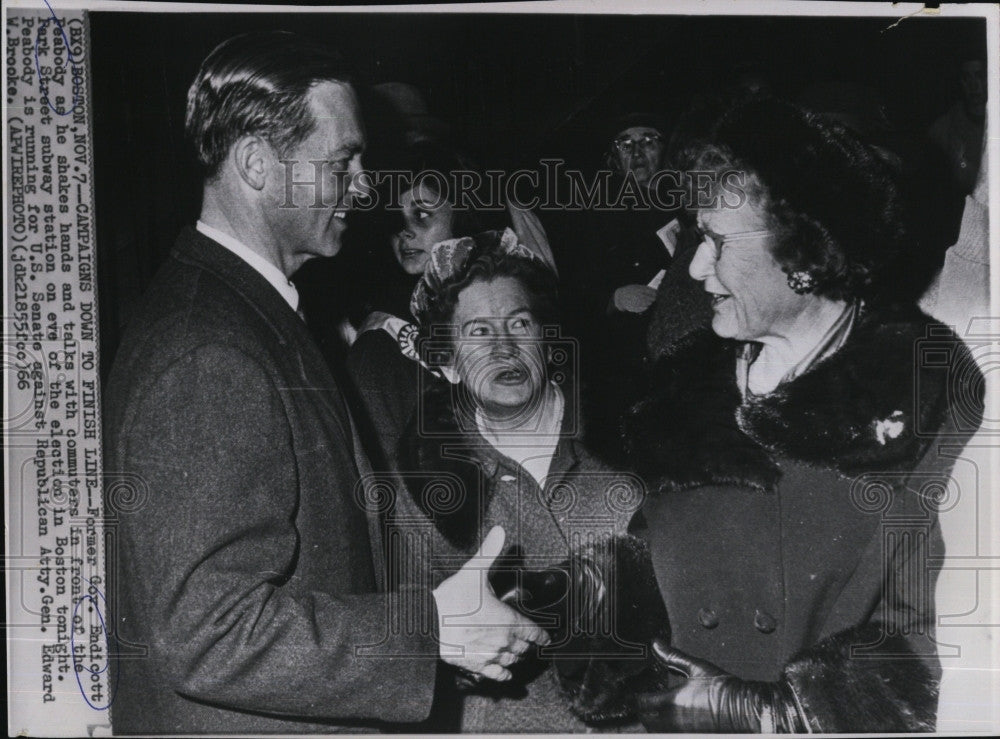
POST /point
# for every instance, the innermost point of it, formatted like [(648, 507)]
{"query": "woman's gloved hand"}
[(712, 700)]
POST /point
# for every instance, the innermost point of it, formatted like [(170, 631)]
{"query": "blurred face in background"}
[(638, 150), (427, 219), (972, 79)]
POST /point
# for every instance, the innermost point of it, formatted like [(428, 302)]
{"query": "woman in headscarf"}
[(420, 207), (498, 444)]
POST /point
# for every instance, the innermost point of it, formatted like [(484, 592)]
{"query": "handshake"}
[(607, 633), (478, 632), (595, 615)]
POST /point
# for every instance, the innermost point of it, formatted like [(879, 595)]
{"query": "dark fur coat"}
[(795, 534)]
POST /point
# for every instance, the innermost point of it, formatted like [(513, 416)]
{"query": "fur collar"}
[(443, 439), (875, 404)]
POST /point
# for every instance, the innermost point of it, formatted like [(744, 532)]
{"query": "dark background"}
[(514, 88)]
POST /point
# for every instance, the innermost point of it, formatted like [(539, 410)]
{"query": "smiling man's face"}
[(298, 228)]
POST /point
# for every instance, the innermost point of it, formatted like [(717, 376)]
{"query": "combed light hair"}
[(256, 84)]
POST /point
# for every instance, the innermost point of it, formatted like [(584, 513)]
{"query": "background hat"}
[(410, 109), (645, 119)]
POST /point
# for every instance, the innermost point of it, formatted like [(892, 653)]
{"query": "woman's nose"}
[(502, 345), (703, 263)]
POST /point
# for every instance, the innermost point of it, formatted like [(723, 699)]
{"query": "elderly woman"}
[(792, 451), (497, 443)]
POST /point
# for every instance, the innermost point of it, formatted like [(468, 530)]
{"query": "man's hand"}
[(712, 700), (478, 632), (633, 298)]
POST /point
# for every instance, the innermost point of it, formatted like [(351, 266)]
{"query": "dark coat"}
[(795, 534), (457, 488), (245, 575), (386, 385)]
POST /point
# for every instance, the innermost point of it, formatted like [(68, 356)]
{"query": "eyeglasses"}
[(626, 145), (717, 241)]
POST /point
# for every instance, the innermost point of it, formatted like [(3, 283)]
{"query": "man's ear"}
[(252, 156)]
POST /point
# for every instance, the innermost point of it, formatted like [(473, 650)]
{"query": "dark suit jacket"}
[(245, 575)]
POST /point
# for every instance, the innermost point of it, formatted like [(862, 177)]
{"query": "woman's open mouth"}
[(410, 253), (718, 298), (510, 376)]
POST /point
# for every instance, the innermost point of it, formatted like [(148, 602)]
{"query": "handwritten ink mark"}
[(78, 667), (42, 83)]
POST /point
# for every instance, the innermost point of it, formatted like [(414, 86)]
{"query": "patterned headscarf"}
[(450, 258)]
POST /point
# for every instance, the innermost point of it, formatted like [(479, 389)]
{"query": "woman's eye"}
[(520, 324), (423, 215), (479, 331)]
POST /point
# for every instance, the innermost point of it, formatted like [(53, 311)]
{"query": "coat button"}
[(764, 622), (708, 618)]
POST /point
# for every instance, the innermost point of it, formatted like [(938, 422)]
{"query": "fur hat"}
[(837, 198)]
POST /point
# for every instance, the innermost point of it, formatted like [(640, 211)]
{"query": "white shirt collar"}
[(267, 270)]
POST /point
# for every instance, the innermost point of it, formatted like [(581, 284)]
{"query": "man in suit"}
[(246, 581)]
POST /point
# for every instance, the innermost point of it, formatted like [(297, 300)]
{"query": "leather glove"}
[(712, 700)]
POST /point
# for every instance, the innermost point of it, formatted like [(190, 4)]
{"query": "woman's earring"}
[(801, 282)]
